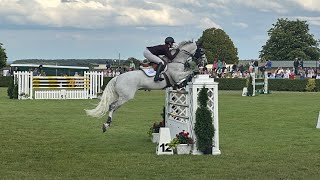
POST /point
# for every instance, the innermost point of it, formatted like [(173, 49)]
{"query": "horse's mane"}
[(183, 43)]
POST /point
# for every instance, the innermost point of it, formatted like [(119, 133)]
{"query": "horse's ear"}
[(199, 44)]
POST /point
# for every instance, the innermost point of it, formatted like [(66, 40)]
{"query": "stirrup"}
[(158, 79)]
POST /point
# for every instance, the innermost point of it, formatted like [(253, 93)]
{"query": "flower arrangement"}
[(184, 138), (24, 95), (156, 127), (181, 138)]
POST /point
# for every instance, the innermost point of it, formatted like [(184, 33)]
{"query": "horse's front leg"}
[(179, 77)]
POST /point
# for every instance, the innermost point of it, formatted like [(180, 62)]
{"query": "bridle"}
[(193, 56)]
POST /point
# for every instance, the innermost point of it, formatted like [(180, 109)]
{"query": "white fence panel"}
[(58, 87)]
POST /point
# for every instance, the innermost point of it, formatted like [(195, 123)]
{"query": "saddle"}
[(150, 68)]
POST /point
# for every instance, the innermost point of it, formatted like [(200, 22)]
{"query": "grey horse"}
[(122, 88)]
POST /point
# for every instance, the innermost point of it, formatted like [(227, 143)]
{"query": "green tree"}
[(3, 56), (289, 40), (218, 45), (132, 59)]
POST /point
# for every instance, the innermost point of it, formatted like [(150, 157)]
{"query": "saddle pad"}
[(149, 71)]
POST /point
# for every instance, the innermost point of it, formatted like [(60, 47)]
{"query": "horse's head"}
[(191, 49), (200, 57)]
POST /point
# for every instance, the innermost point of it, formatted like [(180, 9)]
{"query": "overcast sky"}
[(54, 29)]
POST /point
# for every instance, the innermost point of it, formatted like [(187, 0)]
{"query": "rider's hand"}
[(174, 46), (177, 50)]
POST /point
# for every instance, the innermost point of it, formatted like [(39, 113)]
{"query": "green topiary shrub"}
[(250, 86), (15, 92), (204, 129), (163, 114), (12, 90)]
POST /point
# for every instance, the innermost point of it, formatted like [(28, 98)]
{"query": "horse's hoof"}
[(105, 127)]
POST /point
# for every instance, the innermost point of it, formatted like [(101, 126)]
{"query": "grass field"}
[(264, 137)]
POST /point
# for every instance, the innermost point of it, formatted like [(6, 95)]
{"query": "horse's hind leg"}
[(109, 119), (113, 107), (124, 95)]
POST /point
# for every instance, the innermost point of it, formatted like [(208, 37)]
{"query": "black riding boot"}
[(159, 69)]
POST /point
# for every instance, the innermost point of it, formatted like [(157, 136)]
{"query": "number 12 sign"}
[(164, 140)]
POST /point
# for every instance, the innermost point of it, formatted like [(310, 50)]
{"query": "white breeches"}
[(151, 57)]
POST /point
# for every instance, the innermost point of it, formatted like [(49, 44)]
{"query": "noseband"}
[(196, 56)]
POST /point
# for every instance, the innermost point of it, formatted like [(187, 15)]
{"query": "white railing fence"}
[(58, 87)]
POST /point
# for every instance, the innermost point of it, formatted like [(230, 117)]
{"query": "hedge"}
[(105, 81), (287, 84), (229, 84), (5, 81), (274, 84)]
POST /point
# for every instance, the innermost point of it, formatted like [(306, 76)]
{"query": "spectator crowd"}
[(221, 70)]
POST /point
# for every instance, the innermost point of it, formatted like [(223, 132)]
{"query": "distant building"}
[(51, 70)]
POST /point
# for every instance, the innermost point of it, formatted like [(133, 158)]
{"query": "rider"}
[(152, 53)]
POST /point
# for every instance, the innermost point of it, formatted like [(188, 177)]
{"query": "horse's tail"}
[(109, 95)]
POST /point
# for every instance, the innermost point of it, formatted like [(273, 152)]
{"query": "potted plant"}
[(154, 131), (24, 95), (182, 143)]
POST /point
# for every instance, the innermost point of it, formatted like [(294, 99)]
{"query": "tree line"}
[(3, 56), (288, 40)]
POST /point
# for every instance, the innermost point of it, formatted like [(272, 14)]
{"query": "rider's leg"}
[(159, 69), (153, 58)]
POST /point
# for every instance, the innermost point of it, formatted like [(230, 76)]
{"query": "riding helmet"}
[(169, 40)]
